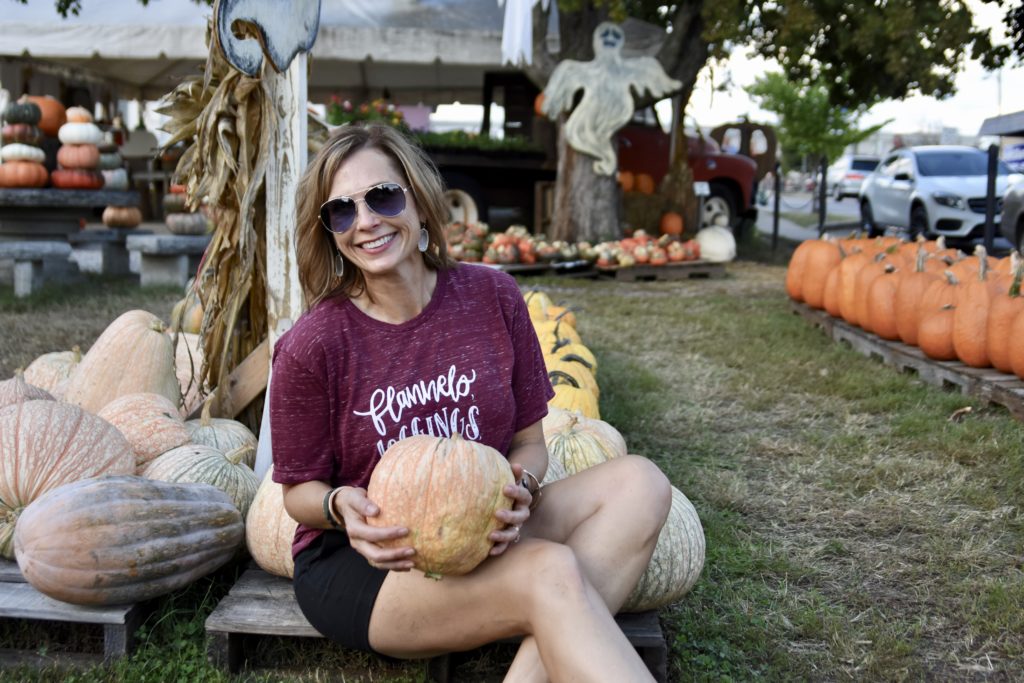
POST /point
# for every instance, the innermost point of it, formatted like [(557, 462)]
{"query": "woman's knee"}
[(644, 482), (556, 576)]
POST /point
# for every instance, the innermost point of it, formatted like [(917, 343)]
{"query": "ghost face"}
[(608, 38)]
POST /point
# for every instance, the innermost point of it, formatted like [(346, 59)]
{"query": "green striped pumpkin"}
[(208, 465)]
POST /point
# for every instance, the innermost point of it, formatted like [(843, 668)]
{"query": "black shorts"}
[(336, 589)]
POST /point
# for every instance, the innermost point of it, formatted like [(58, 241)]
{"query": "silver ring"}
[(516, 539)]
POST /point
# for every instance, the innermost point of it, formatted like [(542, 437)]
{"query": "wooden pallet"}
[(681, 270), (19, 600), (985, 383), (260, 604)]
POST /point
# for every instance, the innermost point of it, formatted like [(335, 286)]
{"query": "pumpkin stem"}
[(205, 419), (950, 277), (982, 255), (236, 455), (76, 353), (1018, 274), (940, 243), (158, 326), (922, 255), (890, 268)]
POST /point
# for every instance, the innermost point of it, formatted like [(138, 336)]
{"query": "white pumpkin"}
[(16, 151), (109, 161), (221, 433), (115, 179), (80, 134), (717, 244), (51, 371), (677, 561)]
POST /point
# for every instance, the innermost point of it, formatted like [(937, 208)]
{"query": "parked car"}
[(846, 175), (1013, 215), (932, 190)]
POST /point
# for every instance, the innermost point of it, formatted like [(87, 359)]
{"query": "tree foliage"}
[(809, 124), (74, 7)]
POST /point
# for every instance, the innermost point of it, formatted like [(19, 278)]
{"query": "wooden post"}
[(288, 155)]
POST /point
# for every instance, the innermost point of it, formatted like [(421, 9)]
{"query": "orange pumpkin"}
[(54, 115), (538, 104), (671, 223), (866, 276), (970, 318), (822, 257), (881, 303), (849, 267), (445, 491), (269, 529), (78, 156), (76, 179), (644, 183), (830, 299), (23, 174), (121, 216), (1003, 310), (935, 334), (150, 423), (795, 270), (627, 181), (909, 292)]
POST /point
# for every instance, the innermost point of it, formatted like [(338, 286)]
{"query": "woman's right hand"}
[(352, 505)]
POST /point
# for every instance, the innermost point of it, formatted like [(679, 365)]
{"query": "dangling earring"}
[(424, 238), (339, 265)]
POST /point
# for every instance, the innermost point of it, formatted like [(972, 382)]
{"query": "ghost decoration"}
[(283, 30), (607, 103)]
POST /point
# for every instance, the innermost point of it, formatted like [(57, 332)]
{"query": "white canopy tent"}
[(429, 51)]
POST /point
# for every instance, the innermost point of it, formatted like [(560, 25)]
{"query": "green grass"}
[(854, 532)]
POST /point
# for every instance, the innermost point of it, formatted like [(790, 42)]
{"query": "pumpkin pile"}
[(950, 305), (21, 154), (79, 154), (107, 494), (642, 248)]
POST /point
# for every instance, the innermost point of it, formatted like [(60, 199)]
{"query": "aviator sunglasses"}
[(387, 200)]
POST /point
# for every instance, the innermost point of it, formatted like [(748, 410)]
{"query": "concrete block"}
[(28, 277)]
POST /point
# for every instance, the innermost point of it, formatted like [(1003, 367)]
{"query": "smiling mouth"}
[(378, 242)]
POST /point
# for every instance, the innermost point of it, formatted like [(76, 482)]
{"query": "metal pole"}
[(990, 197), (775, 214), (822, 194)]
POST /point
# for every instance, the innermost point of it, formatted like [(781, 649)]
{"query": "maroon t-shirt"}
[(346, 386)]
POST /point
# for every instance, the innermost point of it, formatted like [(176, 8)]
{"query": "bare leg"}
[(604, 523)]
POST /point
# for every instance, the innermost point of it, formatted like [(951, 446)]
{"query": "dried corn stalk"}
[(228, 120)]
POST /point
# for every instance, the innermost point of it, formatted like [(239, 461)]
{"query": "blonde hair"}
[(314, 246)]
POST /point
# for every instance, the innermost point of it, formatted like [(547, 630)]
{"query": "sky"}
[(979, 95)]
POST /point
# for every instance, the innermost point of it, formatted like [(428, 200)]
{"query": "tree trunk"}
[(586, 203)]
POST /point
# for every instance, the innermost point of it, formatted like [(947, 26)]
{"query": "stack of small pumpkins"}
[(951, 305), (22, 155), (179, 218), (108, 494), (79, 154), (115, 177)]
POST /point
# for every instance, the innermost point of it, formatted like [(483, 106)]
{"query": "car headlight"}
[(951, 200)]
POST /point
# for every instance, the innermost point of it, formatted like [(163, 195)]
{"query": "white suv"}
[(931, 190), (846, 175)]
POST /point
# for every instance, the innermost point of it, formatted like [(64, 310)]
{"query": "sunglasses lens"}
[(386, 200), (338, 214)]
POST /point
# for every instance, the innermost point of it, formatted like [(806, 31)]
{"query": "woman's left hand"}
[(515, 518)]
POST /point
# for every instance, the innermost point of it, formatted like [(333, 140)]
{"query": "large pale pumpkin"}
[(17, 390), (118, 540), (677, 561), (207, 465), (223, 434), (51, 371), (445, 491), (269, 529), (132, 355), (44, 444), (579, 446), (558, 420), (150, 423)]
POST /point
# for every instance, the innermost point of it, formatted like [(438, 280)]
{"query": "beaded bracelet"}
[(329, 509)]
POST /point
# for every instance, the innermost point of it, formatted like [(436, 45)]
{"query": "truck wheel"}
[(721, 202), (467, 193)]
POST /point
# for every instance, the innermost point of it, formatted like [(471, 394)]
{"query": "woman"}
[(399, 340)]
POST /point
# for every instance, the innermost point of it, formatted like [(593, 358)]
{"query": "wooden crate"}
[(680, 270), (260, 604), (985, 383), (19, 600)]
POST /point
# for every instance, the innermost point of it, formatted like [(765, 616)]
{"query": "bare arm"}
[(527, 452)]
